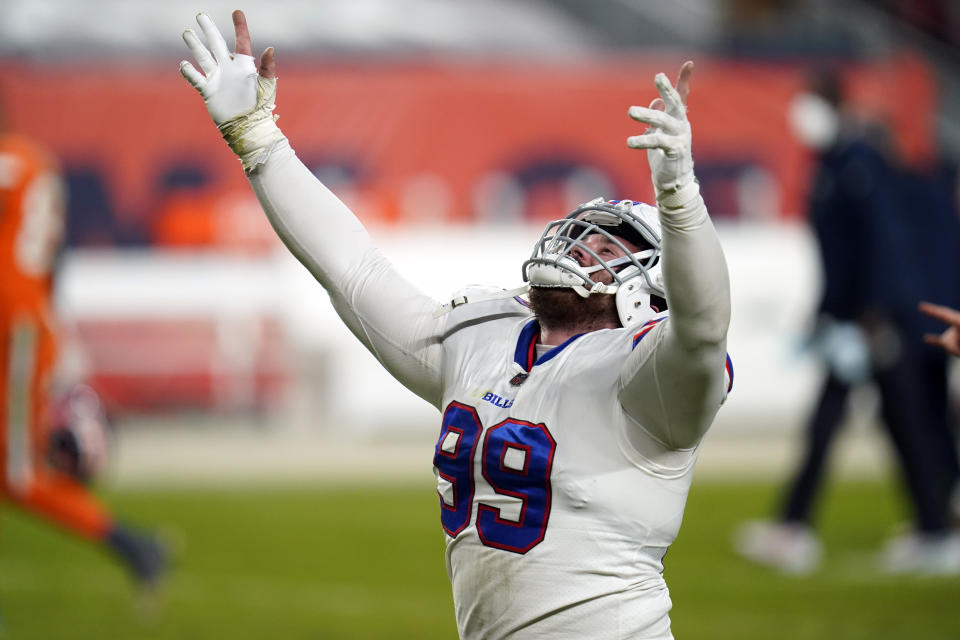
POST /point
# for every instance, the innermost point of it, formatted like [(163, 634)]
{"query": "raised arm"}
[(675, 380), (392, 318)]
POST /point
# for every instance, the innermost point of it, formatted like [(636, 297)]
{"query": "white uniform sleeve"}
[(675, 379), (390, 316)]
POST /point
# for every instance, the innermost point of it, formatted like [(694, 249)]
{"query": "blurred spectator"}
[(41, 470), (888, 237)]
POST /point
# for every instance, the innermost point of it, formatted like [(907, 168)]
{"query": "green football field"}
[(368, 563)]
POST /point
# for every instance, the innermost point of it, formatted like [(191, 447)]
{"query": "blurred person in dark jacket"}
[(887, 237)]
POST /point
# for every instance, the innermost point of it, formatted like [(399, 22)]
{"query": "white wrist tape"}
[(254, 134), (678, 198)]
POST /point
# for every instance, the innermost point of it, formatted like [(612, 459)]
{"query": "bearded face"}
[(562, 309)]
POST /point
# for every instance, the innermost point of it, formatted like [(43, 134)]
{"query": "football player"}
[(569, 430), (31, 226)]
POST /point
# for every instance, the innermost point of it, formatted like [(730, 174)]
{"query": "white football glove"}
[(228, 83), (845, 349), (239, 100), (668, 145)]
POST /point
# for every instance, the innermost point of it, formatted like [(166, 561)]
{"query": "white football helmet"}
[(79, 438), (637, 281)]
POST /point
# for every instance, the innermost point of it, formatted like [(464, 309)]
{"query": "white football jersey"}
[(562, 476), (556, 525)]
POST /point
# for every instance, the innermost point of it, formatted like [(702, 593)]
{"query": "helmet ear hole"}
[(636, 301)]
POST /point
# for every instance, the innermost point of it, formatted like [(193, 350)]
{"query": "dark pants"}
[(913, 397)]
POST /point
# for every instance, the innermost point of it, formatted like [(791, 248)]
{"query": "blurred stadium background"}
[(454, 130)]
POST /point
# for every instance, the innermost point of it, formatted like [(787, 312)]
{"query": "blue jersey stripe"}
[(730, 373), (526, 345), (645, 329), (525, 353)]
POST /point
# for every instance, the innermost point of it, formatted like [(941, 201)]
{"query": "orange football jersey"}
[(31, 228), (31, 222)]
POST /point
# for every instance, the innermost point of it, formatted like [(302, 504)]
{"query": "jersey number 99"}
[(515, 460)]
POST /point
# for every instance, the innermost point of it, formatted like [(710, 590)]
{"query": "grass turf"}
[(368, 563)]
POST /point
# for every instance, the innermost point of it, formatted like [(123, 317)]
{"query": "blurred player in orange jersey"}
[(32, 200)]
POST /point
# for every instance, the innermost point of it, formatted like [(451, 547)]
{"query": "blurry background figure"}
[(43, 470), (888, 238), (949, 341)]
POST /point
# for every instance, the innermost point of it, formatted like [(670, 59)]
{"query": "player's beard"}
[(562, 309)]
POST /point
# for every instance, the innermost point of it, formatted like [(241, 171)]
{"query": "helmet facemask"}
[(635, 276)]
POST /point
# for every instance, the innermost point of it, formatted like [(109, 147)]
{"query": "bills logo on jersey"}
[(497, 401)]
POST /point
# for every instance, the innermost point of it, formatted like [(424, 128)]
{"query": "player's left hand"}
[(668, 138), (949, 340)]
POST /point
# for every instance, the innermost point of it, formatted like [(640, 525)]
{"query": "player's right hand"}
[(229, 82), (949, 340)]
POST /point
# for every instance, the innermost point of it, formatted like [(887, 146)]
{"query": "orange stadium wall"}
[(423, 142)]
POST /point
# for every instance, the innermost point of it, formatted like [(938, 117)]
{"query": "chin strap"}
[(602, 288), (583, 292), (461, 300), (519, 291)]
